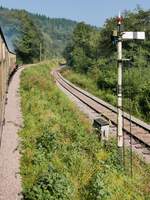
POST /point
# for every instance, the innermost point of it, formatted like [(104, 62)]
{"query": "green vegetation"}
[(92, 57), (27, 45), (62, 157), (53, 34)]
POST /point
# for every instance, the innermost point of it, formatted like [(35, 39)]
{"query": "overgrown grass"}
[(62, 157), (89, 83)]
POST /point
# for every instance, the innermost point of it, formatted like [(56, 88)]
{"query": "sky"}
[(93, 12)]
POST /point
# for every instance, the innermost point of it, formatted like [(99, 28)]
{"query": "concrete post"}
[(119, 50)]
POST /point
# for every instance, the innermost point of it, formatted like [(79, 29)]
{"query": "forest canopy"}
[(52, 33), (92, 53)]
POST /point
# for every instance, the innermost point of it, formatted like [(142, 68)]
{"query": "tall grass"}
[(62, 157), (135, 106)]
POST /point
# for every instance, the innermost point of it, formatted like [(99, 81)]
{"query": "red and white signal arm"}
[(120, 19), (133, 35)]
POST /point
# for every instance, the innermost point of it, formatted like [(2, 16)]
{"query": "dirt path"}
[(10, 180)]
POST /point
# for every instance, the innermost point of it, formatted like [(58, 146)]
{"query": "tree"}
[(28, 44), (83, 50), (92, 51)]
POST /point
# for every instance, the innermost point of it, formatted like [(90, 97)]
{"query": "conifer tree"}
[(28, 44)]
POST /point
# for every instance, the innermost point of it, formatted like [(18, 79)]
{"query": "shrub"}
[(50, 185)]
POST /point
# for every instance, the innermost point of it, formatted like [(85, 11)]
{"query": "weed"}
[(62, 157)]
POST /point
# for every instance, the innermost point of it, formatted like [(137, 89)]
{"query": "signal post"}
[(119, 88), (118, 37)]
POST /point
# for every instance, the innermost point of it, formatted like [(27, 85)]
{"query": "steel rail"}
[(140, 130)]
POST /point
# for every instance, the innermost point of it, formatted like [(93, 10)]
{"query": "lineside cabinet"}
[(102, 126)]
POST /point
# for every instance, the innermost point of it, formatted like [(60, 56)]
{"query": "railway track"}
[(134, 127)]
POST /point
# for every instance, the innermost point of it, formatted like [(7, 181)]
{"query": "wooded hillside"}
[(93, 54), (53, 34)]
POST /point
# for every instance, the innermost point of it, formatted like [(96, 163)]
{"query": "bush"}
[(50, 185), (98, 189)]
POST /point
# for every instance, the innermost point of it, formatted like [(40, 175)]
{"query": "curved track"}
[(134, 127)]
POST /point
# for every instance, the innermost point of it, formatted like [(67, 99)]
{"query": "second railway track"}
[(139, 130)]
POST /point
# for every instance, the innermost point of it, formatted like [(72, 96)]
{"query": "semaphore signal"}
[(118, 37)]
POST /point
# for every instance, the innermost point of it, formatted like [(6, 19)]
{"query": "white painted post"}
[(119, 49), (121, 37)]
